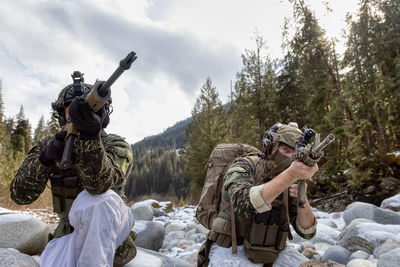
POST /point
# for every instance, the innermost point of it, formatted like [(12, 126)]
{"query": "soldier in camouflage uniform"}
[(260, 193), (100, 162)]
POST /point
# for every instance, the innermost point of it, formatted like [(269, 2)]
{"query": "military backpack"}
[(219, 162)]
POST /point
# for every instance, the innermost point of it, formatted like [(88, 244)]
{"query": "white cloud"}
[(179, 44)]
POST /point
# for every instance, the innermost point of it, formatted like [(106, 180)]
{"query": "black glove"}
[(88, 123), (54, 149)]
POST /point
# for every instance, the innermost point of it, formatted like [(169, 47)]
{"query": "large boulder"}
[(366, 235), (25, 233), (390, 259), (392, 203), (324, 234), (386, 247), (12, 258), (149, 258), (150, 235), (7, 211), (143, 210), (370, 212), (360, 254), (338, 254)]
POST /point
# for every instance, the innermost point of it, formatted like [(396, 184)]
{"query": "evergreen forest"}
[(354, 95)]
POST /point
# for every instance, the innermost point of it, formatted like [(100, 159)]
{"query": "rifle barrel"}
[(329, 139), (124, 65)]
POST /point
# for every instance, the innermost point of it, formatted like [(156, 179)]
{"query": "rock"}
[(321, 263), (324, 234), (360, 263), (12, 258), (309, 253), (390, 259), (196, 247), (328, 222), (201, 229), (142, 211), (166, 206), (366, 235), (370, 212), (171, 244), (191, 225), (386, 247), (191, 258), (159, 213), (289, 257), (392, 203), (197, 237), (7, 211), (163, 219), (390, 184), (338, 254), (370, 189), (183, 244), (360, 254), (149, 258), (150, 235), (175, 226), (321, 247), (174, 236), (305, 245), (337, 215), (25, 233)]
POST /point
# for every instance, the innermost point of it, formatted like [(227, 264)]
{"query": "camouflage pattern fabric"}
[(238, 181), (100, 164)]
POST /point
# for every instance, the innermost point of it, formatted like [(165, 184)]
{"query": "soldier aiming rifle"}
[(87, 169)]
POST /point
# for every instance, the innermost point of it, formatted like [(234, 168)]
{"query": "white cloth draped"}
[(101, 223)]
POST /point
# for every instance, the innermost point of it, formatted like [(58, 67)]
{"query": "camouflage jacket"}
[(100, 164), (241, 177)]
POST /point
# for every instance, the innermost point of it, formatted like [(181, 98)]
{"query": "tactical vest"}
[(263, 236), (64, 189)]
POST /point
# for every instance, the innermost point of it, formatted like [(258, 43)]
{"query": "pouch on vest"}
[(64, 191), (266, 237), (260, 254)]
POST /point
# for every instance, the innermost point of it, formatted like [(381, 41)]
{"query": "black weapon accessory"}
[(88, 123), (54, 149)]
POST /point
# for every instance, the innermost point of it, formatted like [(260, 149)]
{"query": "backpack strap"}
[(279, 168), (233, 226), (286, 205)]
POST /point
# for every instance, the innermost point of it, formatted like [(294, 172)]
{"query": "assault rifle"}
[(310, 156), (97, 98)]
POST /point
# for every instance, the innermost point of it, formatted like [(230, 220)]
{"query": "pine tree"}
[(20, 136), (40, 131), (253, 109), (207, 129), (52, 126)]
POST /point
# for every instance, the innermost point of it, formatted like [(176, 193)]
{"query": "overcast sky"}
[(179, 43)]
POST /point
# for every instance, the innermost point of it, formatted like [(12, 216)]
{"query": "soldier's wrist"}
[(292, 175)]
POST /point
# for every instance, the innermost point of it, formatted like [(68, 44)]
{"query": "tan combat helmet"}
[(288, 134)]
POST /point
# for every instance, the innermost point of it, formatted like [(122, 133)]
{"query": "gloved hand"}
[(88, 123), (54, 149)]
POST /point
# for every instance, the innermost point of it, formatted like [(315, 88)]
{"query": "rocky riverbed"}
[(362, 235)]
